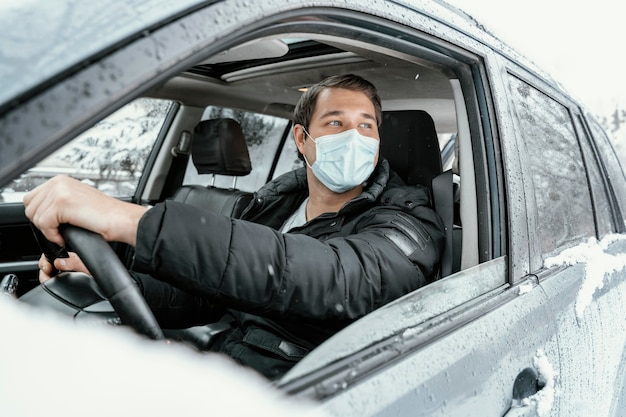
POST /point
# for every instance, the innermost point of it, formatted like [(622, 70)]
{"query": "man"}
[(316, 249)]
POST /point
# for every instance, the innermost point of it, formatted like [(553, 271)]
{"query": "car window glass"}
[(611, 163), (564, 212), (110, 156), (263, 135), (601, 201)]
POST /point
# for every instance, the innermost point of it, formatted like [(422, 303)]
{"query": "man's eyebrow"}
[(340, 112)]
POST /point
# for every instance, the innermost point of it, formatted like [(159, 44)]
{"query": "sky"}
[(580, 43)]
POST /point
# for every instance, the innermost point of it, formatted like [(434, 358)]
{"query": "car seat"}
[(219, 148), (410, 143)]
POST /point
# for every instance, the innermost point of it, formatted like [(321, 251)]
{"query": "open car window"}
[(413, 81)]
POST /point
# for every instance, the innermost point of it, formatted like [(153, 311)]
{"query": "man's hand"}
[(73, 263), (65, 200)]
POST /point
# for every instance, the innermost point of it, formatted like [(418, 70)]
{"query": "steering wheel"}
[(113, 279)]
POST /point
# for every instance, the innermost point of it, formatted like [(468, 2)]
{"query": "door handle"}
[(526, 385)]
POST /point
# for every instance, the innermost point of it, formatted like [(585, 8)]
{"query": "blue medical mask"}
[(344, 160)]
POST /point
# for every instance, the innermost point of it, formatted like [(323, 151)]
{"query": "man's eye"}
[(365, 125), (334, 123)]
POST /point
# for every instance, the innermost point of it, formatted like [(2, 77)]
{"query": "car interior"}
[(424, 98), (423, 106)]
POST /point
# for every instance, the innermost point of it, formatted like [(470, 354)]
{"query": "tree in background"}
[(118, 146), (614, 122), (618, 118), (615, 125), (255, 127), (111, 154)]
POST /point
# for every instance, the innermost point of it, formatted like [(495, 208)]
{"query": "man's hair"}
[(304, 109)]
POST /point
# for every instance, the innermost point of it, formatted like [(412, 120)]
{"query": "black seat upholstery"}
[(409, 141), (229, 202), (218, 147)]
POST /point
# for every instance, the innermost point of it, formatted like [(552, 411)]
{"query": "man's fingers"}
[(47, 206), (45, 269), (43, 277), (73, 263), (42, 213), (53, 235), (63, 200)]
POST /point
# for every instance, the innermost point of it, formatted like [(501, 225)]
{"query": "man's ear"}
[(299, 137)]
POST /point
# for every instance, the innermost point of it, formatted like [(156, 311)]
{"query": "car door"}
[(438, 355), (579, 246), (112, 156)]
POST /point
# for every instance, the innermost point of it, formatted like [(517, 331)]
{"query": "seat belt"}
[(444, 206)]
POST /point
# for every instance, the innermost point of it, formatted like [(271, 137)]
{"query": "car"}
[(527, 317)]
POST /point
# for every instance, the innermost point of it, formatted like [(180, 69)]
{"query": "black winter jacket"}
[(287, 292)]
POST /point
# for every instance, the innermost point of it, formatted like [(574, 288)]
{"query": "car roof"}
[(45, 41), (42, 40), (273, 85)]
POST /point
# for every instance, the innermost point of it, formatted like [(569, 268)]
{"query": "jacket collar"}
[(295, 182)]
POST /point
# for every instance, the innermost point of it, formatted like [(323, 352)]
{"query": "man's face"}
[(338, 110)]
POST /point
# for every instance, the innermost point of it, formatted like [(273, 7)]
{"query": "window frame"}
[(545, 215), (618, 209), (594, 163)]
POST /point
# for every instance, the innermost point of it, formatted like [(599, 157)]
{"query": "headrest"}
[(408, 139), (218, 147)]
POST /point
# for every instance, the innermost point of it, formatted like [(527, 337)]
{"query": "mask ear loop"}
[(303, 155), (308, 134)]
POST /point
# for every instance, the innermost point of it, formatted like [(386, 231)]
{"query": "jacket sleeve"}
[(256, 269)]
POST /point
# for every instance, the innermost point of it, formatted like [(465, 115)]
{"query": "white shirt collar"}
[(298, 218)]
